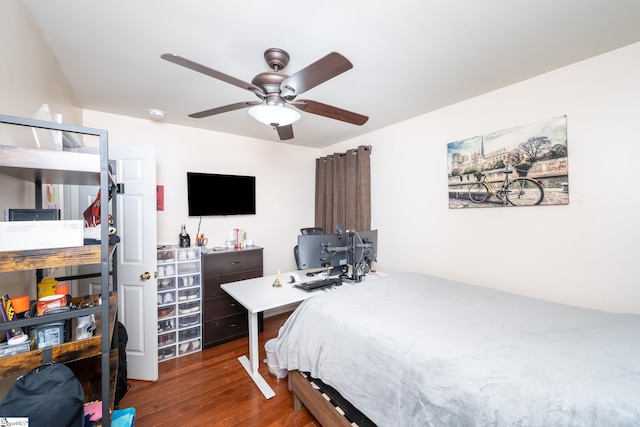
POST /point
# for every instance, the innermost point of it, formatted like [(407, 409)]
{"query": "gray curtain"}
[(343, 190)]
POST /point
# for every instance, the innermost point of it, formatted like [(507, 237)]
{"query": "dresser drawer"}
[(223, 306), (225, 329), (212, 284), (225, 263)]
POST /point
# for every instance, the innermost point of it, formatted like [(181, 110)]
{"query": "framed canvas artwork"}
[(521, 166)]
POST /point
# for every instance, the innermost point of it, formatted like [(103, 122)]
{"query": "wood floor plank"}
[(211, 388)]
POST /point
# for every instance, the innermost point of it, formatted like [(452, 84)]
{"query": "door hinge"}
[(120, 188)]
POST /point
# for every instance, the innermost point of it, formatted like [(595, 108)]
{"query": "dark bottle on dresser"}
[(185, 240)]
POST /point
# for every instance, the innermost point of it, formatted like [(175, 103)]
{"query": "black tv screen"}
[(214, 194)]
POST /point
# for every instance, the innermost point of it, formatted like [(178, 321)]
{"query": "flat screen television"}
[(215, 194)]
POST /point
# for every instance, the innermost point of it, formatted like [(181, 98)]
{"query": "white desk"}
[(258, 295)]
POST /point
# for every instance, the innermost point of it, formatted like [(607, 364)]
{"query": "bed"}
[(416, 350)]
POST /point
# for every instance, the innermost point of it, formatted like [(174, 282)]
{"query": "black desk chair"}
[(311, 230)]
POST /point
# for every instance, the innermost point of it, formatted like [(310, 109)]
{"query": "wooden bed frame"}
[(304, 394)]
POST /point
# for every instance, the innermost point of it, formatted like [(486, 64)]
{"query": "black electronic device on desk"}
[(31, 214), (322, 251), (315, 285), (348, 254)]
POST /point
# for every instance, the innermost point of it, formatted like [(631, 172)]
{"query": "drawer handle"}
[(233, 304), (234, 262), (233, 325)]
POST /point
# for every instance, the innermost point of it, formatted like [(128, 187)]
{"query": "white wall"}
[(29, 77), (285, 176), (583, 253)]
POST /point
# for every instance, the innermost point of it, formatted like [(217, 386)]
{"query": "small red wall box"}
[(160, 197)]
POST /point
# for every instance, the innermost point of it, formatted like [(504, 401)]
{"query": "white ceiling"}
[(409, 56)]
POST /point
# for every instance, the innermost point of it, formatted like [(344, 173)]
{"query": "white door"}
[(137, 309)]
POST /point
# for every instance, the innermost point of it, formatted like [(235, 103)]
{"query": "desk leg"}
[(251, 364)]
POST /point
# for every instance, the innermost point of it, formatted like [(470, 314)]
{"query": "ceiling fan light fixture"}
[(274, 115)]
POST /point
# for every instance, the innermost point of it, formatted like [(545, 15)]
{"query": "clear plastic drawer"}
[(166, 339), (188, 320), (187, 254), (165, 298), (165, 256), (188, 307), (166, 270), (188, 294), (191, 267), (190, 280), (166, 325), (166, 311), (189, 347), (189, 334), (166, 284), (166, 353)]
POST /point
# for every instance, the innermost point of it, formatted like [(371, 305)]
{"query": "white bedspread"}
[(416, 350)]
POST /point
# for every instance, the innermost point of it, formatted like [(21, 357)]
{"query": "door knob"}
[(145, 276)]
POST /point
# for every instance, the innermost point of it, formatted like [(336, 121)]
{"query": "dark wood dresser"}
[(224, 319)]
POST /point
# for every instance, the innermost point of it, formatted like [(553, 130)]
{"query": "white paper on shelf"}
[(25, 235)]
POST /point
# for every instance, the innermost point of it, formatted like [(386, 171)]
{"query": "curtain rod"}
[(352, 151)]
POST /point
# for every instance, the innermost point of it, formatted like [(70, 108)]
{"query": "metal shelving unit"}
[(62, 167)]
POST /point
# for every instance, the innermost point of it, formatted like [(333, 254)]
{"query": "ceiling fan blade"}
[(319, 72), (325, 110), (285, 132), (176, 59), (224, 109)]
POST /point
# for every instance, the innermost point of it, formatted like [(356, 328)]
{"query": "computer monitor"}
[(364, 250), (323, 250)]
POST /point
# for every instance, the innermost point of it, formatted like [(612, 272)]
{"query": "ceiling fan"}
[(276, 90)]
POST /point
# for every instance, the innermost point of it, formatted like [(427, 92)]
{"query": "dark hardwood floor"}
[(211, 388)]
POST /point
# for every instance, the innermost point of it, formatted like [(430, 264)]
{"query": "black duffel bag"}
[(49, 396)]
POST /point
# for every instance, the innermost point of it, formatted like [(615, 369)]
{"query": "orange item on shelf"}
[(51, 301), (62, 289), (21, 303)]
